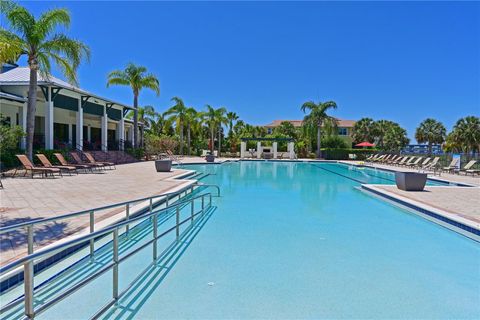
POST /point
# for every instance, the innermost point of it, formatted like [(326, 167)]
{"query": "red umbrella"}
[(365, 144)]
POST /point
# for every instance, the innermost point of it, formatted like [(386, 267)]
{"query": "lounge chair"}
[(28, 166), (414, 163), (468, 168), (452, 166), (64, 162), (47, 164), (379, 158), (174, 157), (78, 160), (395, 161), (93, 161), (424, 163), (403, 161)]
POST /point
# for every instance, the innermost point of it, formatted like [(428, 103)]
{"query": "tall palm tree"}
[(221, 120), (318, 116), (137, 78), (178, 113), (466, 134), (211, 117), (430, 131), (231, 117), (40, 41), (380, 130), (191, 120)]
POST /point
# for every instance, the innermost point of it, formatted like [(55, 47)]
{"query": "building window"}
[(342, 131), (269, 130)]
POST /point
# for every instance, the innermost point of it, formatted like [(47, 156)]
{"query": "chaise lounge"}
[(29, 166)]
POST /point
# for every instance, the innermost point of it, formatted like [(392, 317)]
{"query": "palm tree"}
[(466, 134), (380, 130), (364, 130), (191, 120), (318, 116), (231, 117), (430, 131), (145, 115), (39, 40), (137, 78), (213, 118), (178, 114), (221, 120)]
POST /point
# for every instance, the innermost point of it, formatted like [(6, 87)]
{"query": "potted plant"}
[(210, 157), (410, 181)]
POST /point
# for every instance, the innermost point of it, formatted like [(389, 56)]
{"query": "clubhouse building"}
[(66, 116)]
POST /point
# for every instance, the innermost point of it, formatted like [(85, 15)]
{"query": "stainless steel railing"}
[(29, 225), (28, 261)]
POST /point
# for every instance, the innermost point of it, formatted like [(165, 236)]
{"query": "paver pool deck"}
[(23, 199)]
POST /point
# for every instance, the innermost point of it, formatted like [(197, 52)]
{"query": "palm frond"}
[(11, 46), (50, 20)]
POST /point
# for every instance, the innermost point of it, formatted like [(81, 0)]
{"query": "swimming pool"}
[(292, 240)]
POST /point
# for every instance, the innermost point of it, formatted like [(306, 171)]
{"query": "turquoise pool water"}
[(292, 240)]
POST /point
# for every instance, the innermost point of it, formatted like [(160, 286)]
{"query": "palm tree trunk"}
[(181, 138), (219, 140), (188, 139), (212, 134), (319, 137), (31, 107), (429, 148), (135, 119)]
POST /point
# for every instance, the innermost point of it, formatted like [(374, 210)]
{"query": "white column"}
[(49, 120), (23, 141), (243, 149), (121, 131), (104, 129), (79, 141), (291, 150), (275, 145), (259, 150)]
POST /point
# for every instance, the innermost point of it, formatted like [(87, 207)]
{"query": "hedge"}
[(342, 154)]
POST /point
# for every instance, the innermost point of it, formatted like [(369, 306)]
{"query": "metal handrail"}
[(208, 185), (74, 214), (28, 261)]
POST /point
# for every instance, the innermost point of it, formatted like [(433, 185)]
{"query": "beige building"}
[(66, 116), (345, 127)]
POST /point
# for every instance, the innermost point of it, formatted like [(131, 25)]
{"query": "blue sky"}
[(401, 61)]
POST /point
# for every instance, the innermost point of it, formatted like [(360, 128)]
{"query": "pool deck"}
[(23, 199)]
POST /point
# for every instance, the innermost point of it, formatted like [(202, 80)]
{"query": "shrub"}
[(334, 142), (137, 153), (9, 141)]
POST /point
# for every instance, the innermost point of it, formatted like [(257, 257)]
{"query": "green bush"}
[(137, 153), (342, 154), (333, 142), (9, 141)]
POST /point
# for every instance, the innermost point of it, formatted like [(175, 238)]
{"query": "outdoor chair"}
[(47, 164), (402, 161), (468, 168), (78, 160), (414, 163), (29, 166), (424, 163), (92, 160), (64, 162), (452, 166)]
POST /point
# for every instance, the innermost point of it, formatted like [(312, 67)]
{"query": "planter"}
[(210, 158), (163, 165), (410, 181)]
